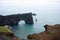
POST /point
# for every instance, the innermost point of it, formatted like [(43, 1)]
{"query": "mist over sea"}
[(47, 12)]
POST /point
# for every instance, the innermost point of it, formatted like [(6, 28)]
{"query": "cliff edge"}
[(7, 34), (52, 32)]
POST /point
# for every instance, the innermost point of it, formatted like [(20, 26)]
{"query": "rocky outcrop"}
[(15, 18), (52, 32), (7, 34)]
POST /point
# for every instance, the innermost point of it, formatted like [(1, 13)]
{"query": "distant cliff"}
[(52, 32), (15, 18)]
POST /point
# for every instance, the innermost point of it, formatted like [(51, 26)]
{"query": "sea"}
[(47, 12)]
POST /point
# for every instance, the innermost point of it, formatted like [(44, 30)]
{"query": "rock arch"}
[(15, 18)]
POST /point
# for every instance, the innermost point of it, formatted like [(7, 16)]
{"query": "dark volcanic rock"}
[(14, 19), (52, 32), (4, 36)]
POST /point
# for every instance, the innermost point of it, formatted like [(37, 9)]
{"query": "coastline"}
[(52, 32), (7, 34)]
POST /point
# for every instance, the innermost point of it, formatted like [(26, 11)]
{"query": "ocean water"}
[(23, 30), (47, 12)]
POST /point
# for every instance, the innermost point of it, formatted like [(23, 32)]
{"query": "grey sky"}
[(28, 5)]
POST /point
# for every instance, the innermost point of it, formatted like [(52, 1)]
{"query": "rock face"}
[(14, 19), (52, 32), (7, 34)]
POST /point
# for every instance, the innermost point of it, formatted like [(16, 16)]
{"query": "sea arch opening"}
[(21, 22)]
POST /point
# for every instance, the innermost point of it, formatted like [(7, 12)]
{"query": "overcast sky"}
[(28, 5)]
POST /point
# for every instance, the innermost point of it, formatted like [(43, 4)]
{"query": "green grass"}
[(5, 29)]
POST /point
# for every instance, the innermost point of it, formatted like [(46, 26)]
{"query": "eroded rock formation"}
[(52, 32), (15, 18)]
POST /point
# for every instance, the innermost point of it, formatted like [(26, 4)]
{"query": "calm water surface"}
[(22, 30)]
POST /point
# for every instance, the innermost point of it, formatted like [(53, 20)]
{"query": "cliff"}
[(7, 34), (52, 32), (15, 18)]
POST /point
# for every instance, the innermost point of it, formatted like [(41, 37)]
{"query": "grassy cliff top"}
[(5, 29)]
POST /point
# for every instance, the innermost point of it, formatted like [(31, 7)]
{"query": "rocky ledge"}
[(7, 34), (52, 32)]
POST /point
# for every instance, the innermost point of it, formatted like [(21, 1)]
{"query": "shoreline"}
[(52, 32)]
